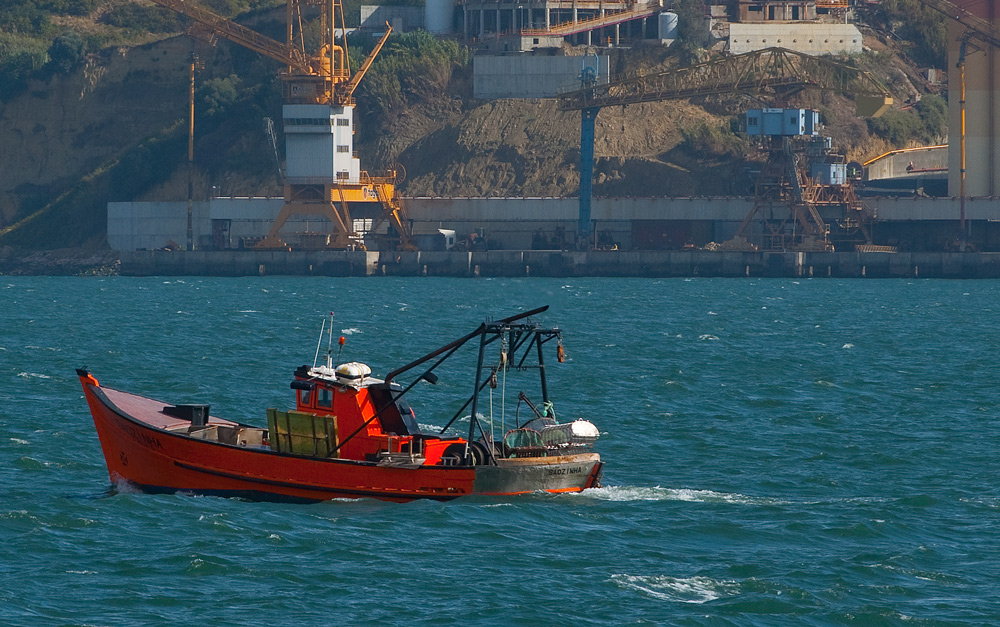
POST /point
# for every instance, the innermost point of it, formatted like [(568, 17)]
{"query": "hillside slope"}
[(115, 129)]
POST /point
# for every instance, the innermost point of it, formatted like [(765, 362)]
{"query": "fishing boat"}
[(354, 435)]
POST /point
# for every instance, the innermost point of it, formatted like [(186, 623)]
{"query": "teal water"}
[(778, 452)]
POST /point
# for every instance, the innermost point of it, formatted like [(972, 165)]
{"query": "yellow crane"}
[(323, 176)]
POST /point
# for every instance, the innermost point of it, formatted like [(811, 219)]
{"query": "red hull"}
[(139, 447)]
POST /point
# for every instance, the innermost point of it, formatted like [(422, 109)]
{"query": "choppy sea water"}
[(778, 452)]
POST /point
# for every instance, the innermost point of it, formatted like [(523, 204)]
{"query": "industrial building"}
[(629, 224), (910, 222)]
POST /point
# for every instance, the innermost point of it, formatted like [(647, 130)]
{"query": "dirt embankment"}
[(63, 129)]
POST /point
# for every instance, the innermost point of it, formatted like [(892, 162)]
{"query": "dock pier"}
[(556, 263)]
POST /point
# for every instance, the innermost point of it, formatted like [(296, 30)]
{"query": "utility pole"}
[(588, 115), (190, 163), (961, 171)]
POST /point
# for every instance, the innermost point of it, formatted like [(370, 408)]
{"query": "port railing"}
[(608, 19)]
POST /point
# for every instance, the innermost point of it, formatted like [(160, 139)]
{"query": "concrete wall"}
[(934, 209), (567, 209), (374, 17), (982, 110), (565, 264), (513, 222), (524, 76), (248, 263), (152, 225), (897, 163), (807, 38)]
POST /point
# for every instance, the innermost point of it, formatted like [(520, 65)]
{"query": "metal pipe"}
[(541, 370), (961, 105), (190, 163), (473, 421), (587, 118)]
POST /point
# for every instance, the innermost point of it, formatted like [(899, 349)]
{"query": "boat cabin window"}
[(397, 418), (324, 398), (305, 397)]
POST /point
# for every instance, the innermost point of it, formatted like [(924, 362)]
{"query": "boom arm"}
[(241, 35), (343, 95), (752, 72)]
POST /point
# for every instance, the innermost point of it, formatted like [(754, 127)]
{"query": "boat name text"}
[(575, 470), (144, 439)]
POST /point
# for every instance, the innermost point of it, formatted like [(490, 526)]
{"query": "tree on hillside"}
[(67, 51)]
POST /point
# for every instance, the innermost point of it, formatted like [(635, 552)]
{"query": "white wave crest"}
[(657, 493), (124, 486), (683, 590), (351, 331), (19, 441), (33, 375), (708, 336), (848, 346)]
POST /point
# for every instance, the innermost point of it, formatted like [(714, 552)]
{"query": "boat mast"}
[(319, 342), (541, 370), (473, 421), (329, 343)]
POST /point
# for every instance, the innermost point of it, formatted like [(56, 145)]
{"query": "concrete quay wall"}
[(544, 263), (247, 263)]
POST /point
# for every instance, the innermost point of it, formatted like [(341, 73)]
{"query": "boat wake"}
[(657, 493), (677, 589)]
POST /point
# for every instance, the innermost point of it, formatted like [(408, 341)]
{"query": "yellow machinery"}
[(323, 175)]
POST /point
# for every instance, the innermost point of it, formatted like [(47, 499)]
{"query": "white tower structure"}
[(319, 144)]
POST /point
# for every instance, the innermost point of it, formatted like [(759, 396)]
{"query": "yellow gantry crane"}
[(323, 176)]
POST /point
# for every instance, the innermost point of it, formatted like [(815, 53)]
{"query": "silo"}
[(439, 15), (668, 25)]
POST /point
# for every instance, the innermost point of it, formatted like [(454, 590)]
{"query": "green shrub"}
[(226, 8), (25, 18), (218, 94), (69, 7), (933, 112), (897, 127), (142, 18), (20, 57), (712, 139), (925, 29), (410, 67), (925, 123), (67, 51)]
